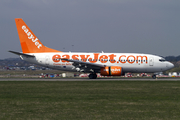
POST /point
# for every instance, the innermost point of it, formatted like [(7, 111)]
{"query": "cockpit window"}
[(162, 60)]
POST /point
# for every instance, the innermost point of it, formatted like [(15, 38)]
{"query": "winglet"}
[(29, 42)]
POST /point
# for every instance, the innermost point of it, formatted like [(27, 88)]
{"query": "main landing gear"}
[(154, 76), (92, 76)]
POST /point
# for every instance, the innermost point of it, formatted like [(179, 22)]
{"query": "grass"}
[(88, 100), (28, 72)]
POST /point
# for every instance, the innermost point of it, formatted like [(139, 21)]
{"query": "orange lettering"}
[(56, 63), (84, 58), (65, 56), (56, 58), (129, 60), (141, 58), (75, 57), (103, 58), (121, 60), (112, 60), (94, 60), (68, 64)]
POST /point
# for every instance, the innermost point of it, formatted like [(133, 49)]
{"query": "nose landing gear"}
[(92, 76)]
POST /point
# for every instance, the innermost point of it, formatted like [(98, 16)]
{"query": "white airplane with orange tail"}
[(107, 64)]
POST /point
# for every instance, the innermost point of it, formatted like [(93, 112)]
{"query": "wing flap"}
[(86, 65)]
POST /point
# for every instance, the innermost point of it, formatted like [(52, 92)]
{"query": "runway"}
[(87, 79)]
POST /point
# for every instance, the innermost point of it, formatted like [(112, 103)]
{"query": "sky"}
[(118, 26)]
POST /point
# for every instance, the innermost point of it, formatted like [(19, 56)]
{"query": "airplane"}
[(107, 64)]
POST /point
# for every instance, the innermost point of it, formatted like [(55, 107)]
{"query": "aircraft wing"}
[(85, 65)]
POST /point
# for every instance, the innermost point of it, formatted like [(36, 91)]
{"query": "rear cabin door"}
[(47, 60)]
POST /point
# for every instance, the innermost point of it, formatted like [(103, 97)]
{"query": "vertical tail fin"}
[(29, 42)]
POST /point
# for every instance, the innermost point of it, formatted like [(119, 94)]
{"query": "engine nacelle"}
[(112, 71)]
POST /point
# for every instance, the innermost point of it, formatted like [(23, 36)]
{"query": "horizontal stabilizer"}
[(18, 53)]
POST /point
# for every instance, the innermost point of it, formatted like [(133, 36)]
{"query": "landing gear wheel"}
[(95, 76), (92, 76), (154, 76)]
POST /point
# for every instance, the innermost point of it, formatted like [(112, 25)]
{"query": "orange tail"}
[(29, 42)]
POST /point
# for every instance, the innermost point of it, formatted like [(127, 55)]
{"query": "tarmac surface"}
[(87, 79)]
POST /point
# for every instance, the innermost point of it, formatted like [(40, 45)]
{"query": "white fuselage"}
[(130, 62)]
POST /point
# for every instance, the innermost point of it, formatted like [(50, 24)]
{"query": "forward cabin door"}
[(151, 61)]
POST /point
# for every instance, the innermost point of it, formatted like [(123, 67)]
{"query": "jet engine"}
[(112, 71)]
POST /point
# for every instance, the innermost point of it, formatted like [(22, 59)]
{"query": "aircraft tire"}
[(154, 76), (92, 76)]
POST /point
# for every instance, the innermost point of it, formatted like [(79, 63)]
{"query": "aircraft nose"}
[(170, 65)]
